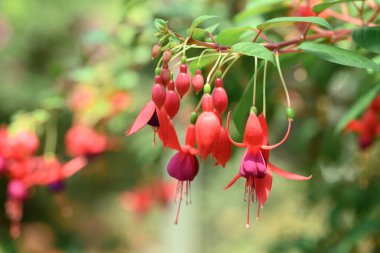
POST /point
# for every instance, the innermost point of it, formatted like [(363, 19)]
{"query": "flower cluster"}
[(206, 135), (24, 170)]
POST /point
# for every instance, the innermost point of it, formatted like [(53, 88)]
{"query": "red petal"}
[(354, 126), (240, 145), (73, 166), (378, 130), (263, 187), (222, 149), (264, 127), (232, 181), (143, 118), (286, 174), (166, 131), (253, 135)]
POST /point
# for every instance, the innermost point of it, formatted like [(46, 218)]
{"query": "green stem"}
[(282, 78), (264, 87), (254, 84), (51, 136)]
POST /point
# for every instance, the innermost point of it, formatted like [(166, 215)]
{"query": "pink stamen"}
[(179, 203), (250, 192)]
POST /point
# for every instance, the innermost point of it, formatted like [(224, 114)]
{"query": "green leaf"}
[(200, 20), (253, 49), (323, 6), (279, 21), (259, 7), (212, 28), (160, 23), (368, 38), (339, 55), (358, 108), (231, 36), (200, 33)]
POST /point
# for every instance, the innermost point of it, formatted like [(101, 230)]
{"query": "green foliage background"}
[(108, 43)]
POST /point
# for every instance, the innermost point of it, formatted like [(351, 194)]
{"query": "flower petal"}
[(287, 174), (354, 126), (263, 187), (253, 134), (73, 166), (166, 131), (264, 127), (232, 181), (143, 118)]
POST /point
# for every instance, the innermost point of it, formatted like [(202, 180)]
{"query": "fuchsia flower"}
[(34, 171), (368, 126), (18, 145), (255, 165), (184, 166), (82, 140)]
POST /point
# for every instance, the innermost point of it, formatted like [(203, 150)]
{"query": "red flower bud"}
[(156, 50), (220, 97), (166, 56), (182, 81), (165, 75), (158, 95), (172, 101), (198, 81), (207, 128)]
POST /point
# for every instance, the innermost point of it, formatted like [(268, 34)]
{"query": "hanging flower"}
[(368, 126), (184, 167), (255, 165)]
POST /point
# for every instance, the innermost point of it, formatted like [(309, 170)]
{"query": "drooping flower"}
[(219, 96), (184, 167), (182, 82), (30, 172), (255, 165), (81, 140), (172, 102), (158, 119), (368, 126), (197, 81)]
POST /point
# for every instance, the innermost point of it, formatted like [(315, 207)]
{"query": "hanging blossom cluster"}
[(27, 163), (206, 135)]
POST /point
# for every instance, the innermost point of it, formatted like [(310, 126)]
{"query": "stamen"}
[(187, 192), (179, 204), (190, 191), (176, 192), (250, 180)]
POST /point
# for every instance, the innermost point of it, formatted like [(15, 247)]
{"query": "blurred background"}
[(90, 61)]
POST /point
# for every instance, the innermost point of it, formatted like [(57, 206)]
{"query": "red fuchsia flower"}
[(368, 126), (18, 145), (31, 172), (255, 166), (160, 122), (182, 82), (165, 74), (84, 141), (208, 126), (198, 81), (219, 96), (172, 102), (184, 166)]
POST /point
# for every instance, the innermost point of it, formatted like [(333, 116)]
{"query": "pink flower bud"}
[(198, 81), (172, 103), (182, 81), (158, 95), (165, 75), (166, 56), (220, 97), (156, 50)]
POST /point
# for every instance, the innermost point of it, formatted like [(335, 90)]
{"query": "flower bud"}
[(158, 95), (220, 97), (166, 56), (165, 75), (207, 103), (172, 101), (156, 50), (197, 81), (182, 81)]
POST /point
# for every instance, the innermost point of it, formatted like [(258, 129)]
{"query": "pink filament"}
[(180, 190)]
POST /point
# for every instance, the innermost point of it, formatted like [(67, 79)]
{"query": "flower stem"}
[(264, 87), (254, 84), (282, 78)]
